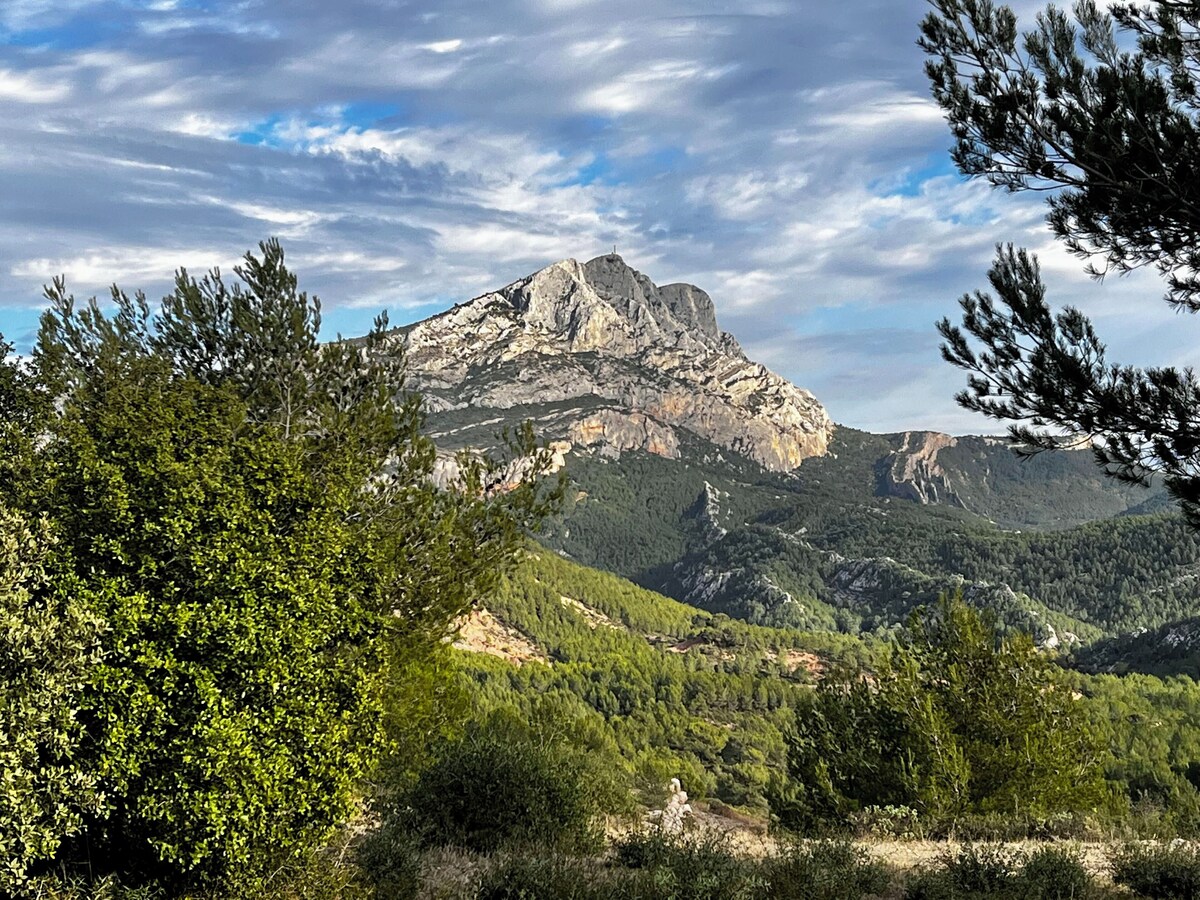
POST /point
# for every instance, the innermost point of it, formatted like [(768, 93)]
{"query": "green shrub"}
[(105, 888), (390, 859), (47, 646), (996, 827), (322, 875), (502, 786), (901, 822), (1051, 873), (1159, 872), (825, 870), (1054, 873), (975, 871), (698, 867), (644, 849), (545, 877)]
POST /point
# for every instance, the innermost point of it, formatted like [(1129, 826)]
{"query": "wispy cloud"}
[(786, 157)]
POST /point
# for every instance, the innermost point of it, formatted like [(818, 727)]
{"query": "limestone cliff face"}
[(599, 355), (913, 471)]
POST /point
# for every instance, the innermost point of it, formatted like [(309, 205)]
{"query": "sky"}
[(784, 155)]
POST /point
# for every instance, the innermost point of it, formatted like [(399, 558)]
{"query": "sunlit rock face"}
[(596, 354), (916, 474)]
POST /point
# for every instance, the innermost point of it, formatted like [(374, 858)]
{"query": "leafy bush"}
[(323, 875), (652, 865), (547, 877), (500, 785), (902, 822), (825, 870), (975, 871), (390, 859), (47, 645), (999, 827), (698, 867), (1050, 873), (236, 703), (107, 887), (1055, 873), (1159, 871)]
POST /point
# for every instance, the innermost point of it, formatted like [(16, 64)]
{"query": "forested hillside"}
[(827, 546), (669, 690), (661, 690)]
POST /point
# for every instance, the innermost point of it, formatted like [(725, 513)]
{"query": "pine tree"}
[(1112, 134), (249, 515)]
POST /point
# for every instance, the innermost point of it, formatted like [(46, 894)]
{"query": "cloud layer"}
[(786, 158)]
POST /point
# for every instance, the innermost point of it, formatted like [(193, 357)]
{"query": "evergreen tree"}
[(1112, 133), (250, 516), (958, 720)]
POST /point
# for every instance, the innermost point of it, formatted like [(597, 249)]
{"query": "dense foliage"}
[(1101, 114), (653, 688), (957, 720), (500, 784), (245, 518), (1158, 872), (653, 866), (47, 645), (827, 548), (979, 872)]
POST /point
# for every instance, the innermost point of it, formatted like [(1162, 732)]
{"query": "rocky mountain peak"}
[(601, 356), (607, 304), (673, 307)]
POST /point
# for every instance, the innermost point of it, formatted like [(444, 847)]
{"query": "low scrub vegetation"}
[(500, 787), (654, 866), (1050, 873), (1159, 872)]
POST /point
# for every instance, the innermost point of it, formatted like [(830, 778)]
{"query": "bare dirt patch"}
[(793, 660), (594, 618), (481, 632)]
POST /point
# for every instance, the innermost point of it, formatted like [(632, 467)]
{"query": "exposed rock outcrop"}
[(611, 431), (447, 473), (912, 471), (481, 632), (707, 513), (625, 364)]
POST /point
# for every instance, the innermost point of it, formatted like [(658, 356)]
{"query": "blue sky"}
[(781, 154)]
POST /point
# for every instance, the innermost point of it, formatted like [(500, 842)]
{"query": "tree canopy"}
[(958, 720), (224, 554), (1100, 111)]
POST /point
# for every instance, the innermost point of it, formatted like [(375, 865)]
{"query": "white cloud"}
[(745, 195), (647, 88), (783, 156), (27, 87), (443, 46), (127, 266)]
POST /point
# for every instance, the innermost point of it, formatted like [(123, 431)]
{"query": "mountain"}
[(698, 473), (982, 474), (597, 355)]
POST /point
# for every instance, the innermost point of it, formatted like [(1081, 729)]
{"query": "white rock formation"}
[(627, 363)]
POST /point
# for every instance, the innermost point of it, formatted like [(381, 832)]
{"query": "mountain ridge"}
[(701, 474), (630, 364)]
